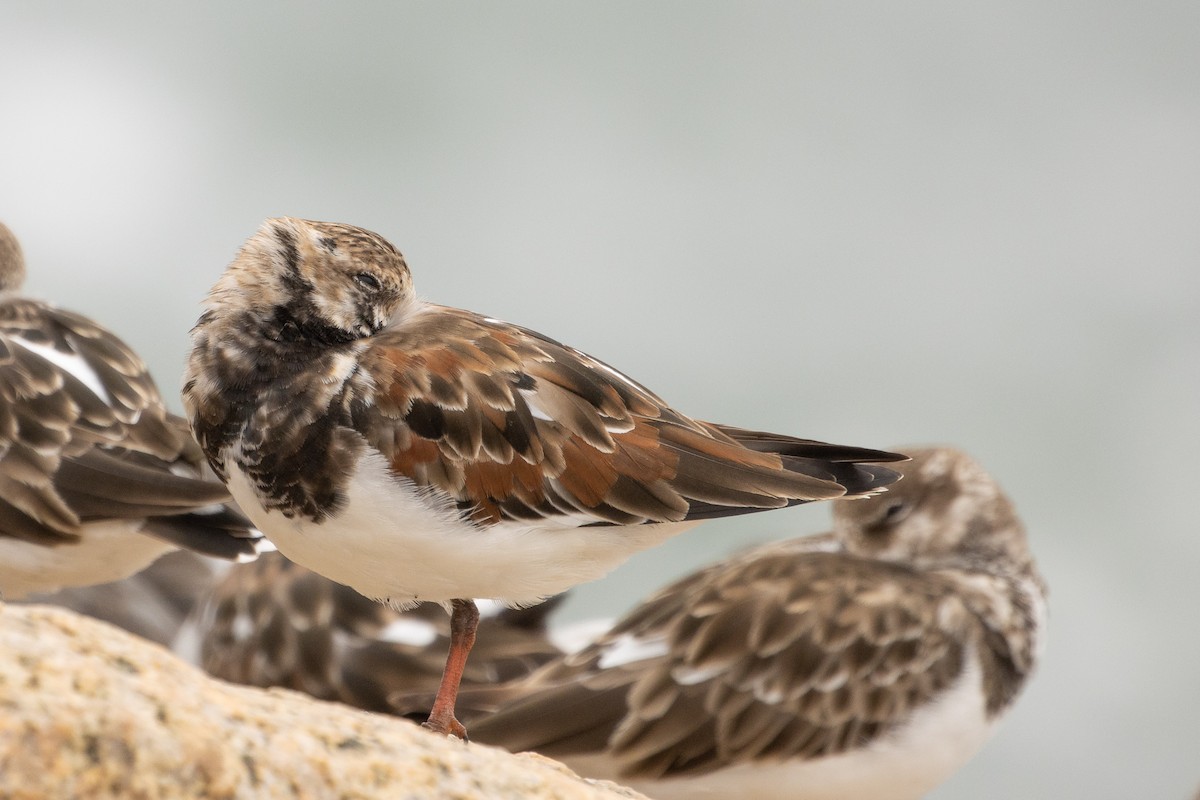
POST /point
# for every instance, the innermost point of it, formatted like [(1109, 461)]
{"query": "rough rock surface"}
[(87, 710)]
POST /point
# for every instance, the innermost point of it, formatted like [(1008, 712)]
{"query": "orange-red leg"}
[(464, 619)]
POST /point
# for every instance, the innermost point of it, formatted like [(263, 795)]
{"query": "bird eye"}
[(895, 512), (882, 521), (367, 281)]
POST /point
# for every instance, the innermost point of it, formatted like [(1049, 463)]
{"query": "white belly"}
[(905, 765), (395, 542), (106, 551)]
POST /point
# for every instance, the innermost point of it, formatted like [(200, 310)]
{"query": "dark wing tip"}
[(809, 448), (872, 456), (865, 478), (224, 534), (855, 468)]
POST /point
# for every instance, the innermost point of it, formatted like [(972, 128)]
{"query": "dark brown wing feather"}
[(513, 425), (774, 658), (68, 456)]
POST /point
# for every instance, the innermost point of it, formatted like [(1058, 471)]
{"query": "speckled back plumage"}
[(797, 652)]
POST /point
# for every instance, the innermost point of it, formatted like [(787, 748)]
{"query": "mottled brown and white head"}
[(323, 281), (12, 261), (946, 512)]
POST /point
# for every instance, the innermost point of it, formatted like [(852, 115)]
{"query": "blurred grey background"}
[(868, 223)]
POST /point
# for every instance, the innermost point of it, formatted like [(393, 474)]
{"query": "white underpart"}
[(72, 363), (489, 609), (395, 542), (627, 649), (410, 632), (106, 551), (903, 765)]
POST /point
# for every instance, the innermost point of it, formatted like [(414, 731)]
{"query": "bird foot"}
[(447, 725)]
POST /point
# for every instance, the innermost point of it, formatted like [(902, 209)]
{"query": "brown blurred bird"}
[(97, 479), (871, 665), (275, 623)]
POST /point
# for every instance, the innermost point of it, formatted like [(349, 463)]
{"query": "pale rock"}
[(89, 711)]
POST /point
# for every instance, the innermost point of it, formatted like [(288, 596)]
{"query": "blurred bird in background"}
[(276, 623), (869, 663), (97, 479)]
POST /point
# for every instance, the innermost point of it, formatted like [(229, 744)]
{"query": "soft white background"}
[(872, 223)]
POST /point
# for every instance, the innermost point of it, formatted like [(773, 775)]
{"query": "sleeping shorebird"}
[(97, 479), (871, 663), (422, 453)]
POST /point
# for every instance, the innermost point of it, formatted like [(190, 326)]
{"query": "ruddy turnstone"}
[(873, 669), (96, 478), (418, 452), (276, 623)]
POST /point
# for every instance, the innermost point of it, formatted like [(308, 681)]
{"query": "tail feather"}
[(855, 468), (765, 442), (856, 478), (829, 471), (223, 533)]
